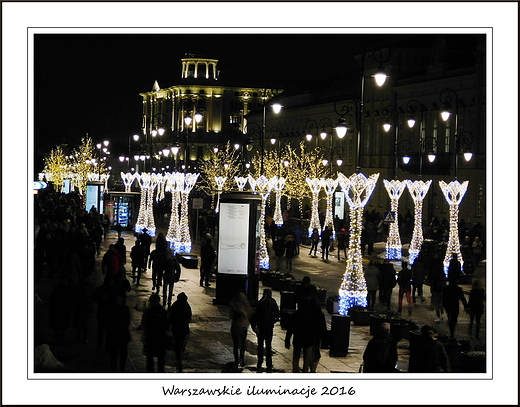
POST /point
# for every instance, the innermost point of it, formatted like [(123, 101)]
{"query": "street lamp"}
[(277, 107)]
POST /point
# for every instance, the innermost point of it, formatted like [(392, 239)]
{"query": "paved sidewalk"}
[(210, 346)]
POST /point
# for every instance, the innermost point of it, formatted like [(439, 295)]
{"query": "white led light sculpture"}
[(394, 246), (128, 180), (418, 190), (241, 183), (174, 184), (220, 181), (278, 186), (145, 218), (329, 185), (185, 236), (315, 187), (453, 192), (264, 186), (353, 290)]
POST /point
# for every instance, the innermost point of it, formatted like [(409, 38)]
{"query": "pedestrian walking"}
[(477, 297), (279, 251), (179, 317), (262, 323), (404, 280), (290, 251), (171, 275), (301, 332), (372, 275), (158, 262), (428, 355), (387, 281), (315, 239), (418, 275), (117, 333), (138, 261), (326, 236), (207, 261), (240, 313), (342, 238), (451, 297), (380, 355), (155, 325), (437, 281)]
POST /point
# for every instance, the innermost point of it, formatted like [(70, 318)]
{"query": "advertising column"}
[(237, 247)]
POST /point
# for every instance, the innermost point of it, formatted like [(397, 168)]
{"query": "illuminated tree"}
[(222, 163), (395, 189), (418, 190), (56, 167)]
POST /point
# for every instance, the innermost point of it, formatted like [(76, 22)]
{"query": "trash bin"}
[(340, 335)]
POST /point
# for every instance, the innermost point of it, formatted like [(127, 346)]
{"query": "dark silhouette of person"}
[(179, 317), (117, 332), (372, 280), (451, 297), (121, 248), (138, 261), (290, 251), (61, 305), (428, 355), (279, 250), (207, 260), (158, 262), (404, 280), (304, 290), (319, 329), (240, 313), (302, 332), (380, 355), (326, 236), (342, 239), (315, 238), (387, 281), (172, 274), (262, 323), (155, 324), (146, 243), (477, 297), (418, 276)]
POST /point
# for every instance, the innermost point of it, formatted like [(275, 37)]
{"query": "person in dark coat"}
[(146, 243), (404, 280), (117, 333), (262, 323), (315, 238), (387, 281), (158, 262), (418, 275), (477, 297), (428, 355), (319, 328), (172, 274), (207, 260), (240, 313), (342, 238), (451, 295), (61, 306), (138, 261), (380, 355), (372, 274), (326, 236), (179, 317), (437, 281), (302, 332), (279, 250), (155, 325), (290, 251)]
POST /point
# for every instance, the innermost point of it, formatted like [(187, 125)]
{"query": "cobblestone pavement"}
[(210, 347)]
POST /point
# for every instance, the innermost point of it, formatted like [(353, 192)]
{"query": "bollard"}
[(340, 335)]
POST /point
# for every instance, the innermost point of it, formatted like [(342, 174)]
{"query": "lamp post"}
[(277, 107)]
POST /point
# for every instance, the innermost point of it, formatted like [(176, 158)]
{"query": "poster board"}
[(233, 253)]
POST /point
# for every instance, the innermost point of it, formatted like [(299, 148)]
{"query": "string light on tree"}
[(418, 190), (174, 184), (184, 227), (394, 246), (353, 290), (315, 187), (453, 192), (220, 181), (145, 219), (278, 186), (329, 185), (264, 186), (128, 180)]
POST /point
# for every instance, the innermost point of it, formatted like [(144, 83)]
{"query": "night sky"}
[(90, 83)]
